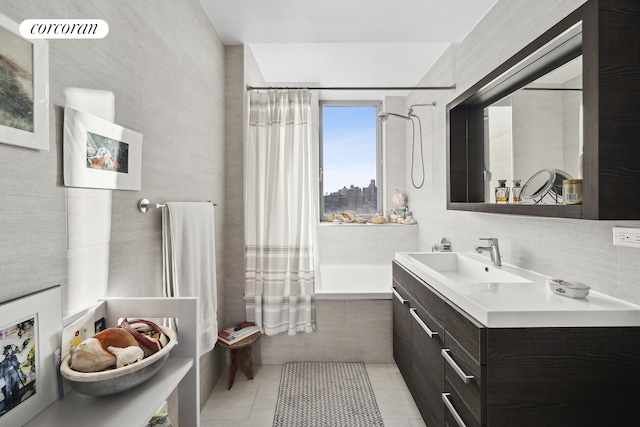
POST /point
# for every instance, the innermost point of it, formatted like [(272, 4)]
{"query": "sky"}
[(349, 146)]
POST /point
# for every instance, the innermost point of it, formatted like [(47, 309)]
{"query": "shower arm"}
[(410, 113), (385, 115)]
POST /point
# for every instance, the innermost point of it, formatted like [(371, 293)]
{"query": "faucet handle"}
[(492, 240)]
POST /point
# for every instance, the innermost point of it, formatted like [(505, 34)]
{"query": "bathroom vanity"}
[(502, 350)]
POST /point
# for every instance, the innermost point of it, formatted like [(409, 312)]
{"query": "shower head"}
[(385, 116)]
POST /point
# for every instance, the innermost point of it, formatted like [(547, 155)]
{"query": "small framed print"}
[(100, 154), (30, 332), (24, 88)]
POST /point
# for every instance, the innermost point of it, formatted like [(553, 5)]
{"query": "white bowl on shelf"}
[(116, 380)]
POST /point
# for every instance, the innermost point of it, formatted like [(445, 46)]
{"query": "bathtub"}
[(354, 282)]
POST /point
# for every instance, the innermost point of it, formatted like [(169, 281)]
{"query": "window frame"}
[(379, 151)]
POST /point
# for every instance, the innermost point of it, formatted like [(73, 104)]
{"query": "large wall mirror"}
[(535, 128), (566, 105), (524, 118)]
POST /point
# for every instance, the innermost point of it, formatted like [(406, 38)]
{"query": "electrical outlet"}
[(623, 236)]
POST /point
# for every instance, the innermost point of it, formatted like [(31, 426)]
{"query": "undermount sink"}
[(457, 268)]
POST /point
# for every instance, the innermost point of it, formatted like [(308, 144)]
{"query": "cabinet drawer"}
[(402, 323), (464, 377), (400, 274), (427, 368), (468, 334), (424, 296), (429, 300), (424, 319), (426, 325), (401, 291), (456, 414)]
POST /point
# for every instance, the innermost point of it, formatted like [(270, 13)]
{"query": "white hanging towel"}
[(188, 250)]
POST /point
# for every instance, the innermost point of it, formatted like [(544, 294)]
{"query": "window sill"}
[(355, 224)]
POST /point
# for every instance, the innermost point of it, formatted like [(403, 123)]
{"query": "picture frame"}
[(24, 95), (30, 332), (100, 154)]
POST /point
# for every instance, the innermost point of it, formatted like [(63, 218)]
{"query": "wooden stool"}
[(240, 352)]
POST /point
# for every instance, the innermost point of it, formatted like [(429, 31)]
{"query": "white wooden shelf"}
[(136, 406), (133, 407)]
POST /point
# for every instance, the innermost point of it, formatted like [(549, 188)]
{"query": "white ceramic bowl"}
[(118, 379), (568, 289)]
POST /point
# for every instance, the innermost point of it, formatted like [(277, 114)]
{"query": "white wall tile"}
[(346, 331), (88, 217)]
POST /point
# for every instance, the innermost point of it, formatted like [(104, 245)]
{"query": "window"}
[(350, 150)]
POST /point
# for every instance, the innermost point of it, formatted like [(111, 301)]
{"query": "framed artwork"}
[(24, 88), (30, 331), (100, 154)]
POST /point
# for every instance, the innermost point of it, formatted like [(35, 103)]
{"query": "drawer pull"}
[(452, 410), (397, 295), (464, 377), (421, 323)]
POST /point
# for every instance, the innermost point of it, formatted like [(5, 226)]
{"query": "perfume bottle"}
[(502, 191), (516, 192)]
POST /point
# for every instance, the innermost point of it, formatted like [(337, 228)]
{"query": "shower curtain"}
[(280, 213)]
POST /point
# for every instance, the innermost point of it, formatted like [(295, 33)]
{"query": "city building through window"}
[(349, 155)]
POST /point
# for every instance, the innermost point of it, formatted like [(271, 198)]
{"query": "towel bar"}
[(144, 205)]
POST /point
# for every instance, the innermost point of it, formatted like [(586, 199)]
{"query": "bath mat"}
[(331, 394)]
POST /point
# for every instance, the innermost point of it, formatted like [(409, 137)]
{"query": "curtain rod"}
[(452, 88)]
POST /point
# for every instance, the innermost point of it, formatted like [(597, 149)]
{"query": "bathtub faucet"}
[(443, 246)]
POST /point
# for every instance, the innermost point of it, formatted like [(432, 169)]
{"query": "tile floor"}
[(253, 403)]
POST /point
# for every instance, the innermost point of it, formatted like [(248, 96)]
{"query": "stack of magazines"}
[(235, 333)]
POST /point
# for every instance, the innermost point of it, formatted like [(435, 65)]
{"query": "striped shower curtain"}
[(280, 212)]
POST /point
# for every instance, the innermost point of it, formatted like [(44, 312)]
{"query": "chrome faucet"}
[(493, 249)]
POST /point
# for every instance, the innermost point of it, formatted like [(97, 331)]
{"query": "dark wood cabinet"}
[(564, 376), (611, 125)]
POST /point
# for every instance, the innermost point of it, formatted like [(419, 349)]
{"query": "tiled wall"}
[(572, 249), (394, 133), (341, 244), (234, 156), (165, 66), (358, 331)]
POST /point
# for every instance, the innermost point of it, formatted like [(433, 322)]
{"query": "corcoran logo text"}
[(64, 29)]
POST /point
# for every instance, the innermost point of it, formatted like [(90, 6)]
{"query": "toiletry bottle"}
[(572, 191), (502, 192), (516, 192)]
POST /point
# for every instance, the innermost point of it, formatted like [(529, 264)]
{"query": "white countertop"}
[(516, 305)]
